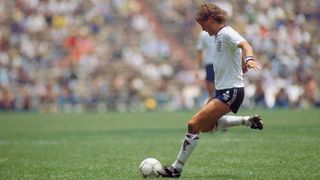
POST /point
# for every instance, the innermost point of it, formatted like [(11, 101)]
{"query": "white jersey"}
[(206, 44), (228, 59)]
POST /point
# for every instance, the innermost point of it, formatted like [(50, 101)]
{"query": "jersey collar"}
[(219, 30)]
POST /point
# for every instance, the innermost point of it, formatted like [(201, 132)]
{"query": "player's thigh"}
[(208, 116)]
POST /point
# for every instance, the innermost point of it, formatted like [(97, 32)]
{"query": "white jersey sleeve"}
[(232, 38)]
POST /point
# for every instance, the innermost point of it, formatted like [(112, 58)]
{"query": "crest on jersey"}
[(219, 46)]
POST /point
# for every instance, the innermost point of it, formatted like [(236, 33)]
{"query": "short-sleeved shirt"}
[(228, 59), (206, 44)]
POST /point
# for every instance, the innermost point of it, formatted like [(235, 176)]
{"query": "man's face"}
[(207, 26)]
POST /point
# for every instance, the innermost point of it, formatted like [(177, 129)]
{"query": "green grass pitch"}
[(112, 145)]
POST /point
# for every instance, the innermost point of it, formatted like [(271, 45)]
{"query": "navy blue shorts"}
[(233, 97), (209, 72)]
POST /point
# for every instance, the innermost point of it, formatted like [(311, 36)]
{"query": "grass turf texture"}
[(112, 145)]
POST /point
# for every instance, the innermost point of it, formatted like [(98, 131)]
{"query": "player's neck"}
[(218, 28)]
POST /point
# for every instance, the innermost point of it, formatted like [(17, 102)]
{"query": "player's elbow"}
[(245, 46)]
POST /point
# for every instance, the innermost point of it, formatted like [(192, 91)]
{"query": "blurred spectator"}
[(259, 96), (311, 91), (282, 99), (7, 100), (48, 98)]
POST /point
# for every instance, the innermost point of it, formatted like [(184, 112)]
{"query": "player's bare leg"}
[(203, 121), (211, 91)]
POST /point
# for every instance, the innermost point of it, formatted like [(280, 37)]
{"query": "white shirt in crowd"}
[(206, 44)]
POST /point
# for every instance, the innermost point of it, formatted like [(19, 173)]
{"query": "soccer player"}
[(228, 81), (205, 56)]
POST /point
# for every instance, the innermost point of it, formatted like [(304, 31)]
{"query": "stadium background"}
[(135, 55), (132, 56)]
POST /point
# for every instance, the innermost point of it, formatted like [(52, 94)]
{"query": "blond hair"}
[(207, 10)]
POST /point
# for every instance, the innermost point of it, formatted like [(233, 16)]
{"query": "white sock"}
[(189, 143), (229, 121)]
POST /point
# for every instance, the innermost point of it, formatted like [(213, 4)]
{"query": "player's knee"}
[(193, 127)]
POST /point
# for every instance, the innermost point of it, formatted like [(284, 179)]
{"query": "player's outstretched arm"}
[(248, 55)]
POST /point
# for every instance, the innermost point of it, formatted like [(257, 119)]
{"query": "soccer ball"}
[(150, 167)]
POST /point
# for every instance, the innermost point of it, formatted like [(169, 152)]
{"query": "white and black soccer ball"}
[(149, 167)]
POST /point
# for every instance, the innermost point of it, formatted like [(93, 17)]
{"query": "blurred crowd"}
[(105, 55)]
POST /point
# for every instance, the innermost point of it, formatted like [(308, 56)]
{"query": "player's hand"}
[(252, 65)]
